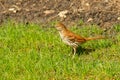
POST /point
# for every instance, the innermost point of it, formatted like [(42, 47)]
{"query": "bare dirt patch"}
[(104, 13)]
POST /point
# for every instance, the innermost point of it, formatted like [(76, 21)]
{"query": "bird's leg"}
[(74, 49)]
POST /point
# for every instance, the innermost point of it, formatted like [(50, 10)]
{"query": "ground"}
[(104, 13), (32, 52)]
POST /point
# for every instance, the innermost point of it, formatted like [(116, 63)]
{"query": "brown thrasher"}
[(71, 38)]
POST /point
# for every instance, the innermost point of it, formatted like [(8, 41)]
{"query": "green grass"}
[(31, 52)]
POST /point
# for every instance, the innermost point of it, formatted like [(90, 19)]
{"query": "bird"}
[(72, 39)]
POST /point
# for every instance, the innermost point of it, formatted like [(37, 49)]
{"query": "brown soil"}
[(104, 13)]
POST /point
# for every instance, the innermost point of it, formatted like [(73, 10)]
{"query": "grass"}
[(30, 52)]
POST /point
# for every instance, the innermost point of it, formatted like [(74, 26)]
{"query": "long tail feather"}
[(94, 38)]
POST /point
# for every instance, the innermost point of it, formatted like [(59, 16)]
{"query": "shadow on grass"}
[(81, 50)]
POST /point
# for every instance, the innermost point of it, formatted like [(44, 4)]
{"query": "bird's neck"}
[(63, 31)]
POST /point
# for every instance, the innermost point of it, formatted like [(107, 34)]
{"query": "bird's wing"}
[(75, 38), (79, 39)]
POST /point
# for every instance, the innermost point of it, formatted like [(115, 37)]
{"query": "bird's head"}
[(60, 26)]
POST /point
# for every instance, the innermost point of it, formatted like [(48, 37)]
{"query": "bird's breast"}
[(67, 41)]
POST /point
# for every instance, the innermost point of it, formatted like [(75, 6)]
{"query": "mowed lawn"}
[(34, 52)]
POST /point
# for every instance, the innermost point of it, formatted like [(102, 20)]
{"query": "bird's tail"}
[(94, 38)]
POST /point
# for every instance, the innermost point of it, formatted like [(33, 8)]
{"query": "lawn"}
[(34, 52)]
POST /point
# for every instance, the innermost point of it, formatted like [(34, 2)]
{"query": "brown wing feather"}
[(74, 37)]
